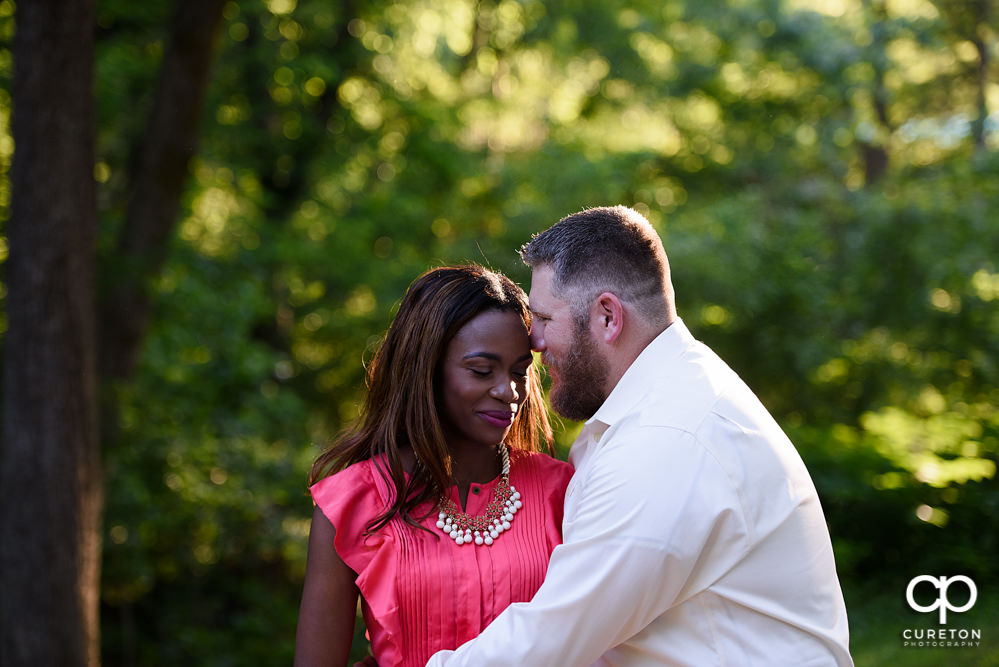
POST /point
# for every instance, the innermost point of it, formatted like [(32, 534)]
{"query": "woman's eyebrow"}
[(495, 357), (484, 355)]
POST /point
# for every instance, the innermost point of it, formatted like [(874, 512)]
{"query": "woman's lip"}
[(501, 419)]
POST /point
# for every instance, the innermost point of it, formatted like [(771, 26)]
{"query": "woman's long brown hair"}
[(400, 408)]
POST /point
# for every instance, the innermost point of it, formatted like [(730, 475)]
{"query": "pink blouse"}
[(421, 592)]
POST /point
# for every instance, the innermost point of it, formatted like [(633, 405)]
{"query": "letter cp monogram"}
[(941, 584)]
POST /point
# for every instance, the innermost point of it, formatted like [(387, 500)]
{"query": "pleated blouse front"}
[(421, 592)]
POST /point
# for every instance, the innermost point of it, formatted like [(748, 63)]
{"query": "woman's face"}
[(484, 379)]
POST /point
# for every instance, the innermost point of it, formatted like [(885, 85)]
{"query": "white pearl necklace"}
[(482, 529)]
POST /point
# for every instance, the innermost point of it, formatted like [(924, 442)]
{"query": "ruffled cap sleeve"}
[(350, 499)]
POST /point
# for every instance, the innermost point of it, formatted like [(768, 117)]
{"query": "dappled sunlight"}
[(833, 8), (914, 63), (698, 43), (364, 101), (208, 228), (923, 9), (938, 448), (637, 129), (657, 53), (933, 515), (985, 285)]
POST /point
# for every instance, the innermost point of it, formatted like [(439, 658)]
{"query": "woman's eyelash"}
[(482, 373)]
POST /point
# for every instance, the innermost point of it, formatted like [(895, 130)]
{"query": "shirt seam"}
[(751, 538)]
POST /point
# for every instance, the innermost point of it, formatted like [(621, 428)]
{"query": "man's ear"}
[(609, 315)]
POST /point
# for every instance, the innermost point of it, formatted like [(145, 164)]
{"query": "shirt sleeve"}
[(349, 499), (654, 520)]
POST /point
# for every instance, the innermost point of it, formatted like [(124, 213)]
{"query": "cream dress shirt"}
[(693, 536)]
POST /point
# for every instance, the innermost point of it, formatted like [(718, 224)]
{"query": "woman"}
[(436, 508)]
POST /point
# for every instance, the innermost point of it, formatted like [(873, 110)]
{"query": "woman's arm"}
[(329, 602)]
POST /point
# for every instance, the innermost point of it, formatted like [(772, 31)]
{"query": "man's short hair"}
[(606, 249)]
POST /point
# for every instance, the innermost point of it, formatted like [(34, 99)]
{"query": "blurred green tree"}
[(823, 174)]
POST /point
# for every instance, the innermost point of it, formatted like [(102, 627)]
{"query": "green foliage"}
[(828, 209)]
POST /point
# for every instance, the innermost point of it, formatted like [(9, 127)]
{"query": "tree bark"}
[(979, 29), (875, 152), (49, 458), (170, 142)]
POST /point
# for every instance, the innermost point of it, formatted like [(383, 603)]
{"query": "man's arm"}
[(647, 512)]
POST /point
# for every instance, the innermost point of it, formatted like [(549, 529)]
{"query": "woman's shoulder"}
[(351, 499), (354, 485), (359, 473)]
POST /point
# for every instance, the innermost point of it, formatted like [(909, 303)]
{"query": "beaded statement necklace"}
[(481, 529)]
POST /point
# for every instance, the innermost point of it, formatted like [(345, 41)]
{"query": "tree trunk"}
[(49, 458), (979, 30), (170, 141), (875, 152)]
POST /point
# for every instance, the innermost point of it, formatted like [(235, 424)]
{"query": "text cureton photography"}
[(934, 592)]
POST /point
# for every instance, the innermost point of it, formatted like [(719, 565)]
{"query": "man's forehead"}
[(541, 276), (540, 280), (541, 296)]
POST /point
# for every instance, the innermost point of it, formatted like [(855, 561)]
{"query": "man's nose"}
[(537, 339)]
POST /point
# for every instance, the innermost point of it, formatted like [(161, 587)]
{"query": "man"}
[(693, 533)]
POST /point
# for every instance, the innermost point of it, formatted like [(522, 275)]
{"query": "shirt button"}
[(475, 490)]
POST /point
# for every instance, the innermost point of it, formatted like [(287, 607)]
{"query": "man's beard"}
[(579, 390)]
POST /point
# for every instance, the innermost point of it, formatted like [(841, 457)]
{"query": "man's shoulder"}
[(688, 389)]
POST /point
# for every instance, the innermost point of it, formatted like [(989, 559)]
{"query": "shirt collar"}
[(643, 372)]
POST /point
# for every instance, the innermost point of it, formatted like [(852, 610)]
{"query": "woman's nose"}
[(506, 391)]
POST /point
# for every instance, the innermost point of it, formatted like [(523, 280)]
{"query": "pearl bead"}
[(487, 527)]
